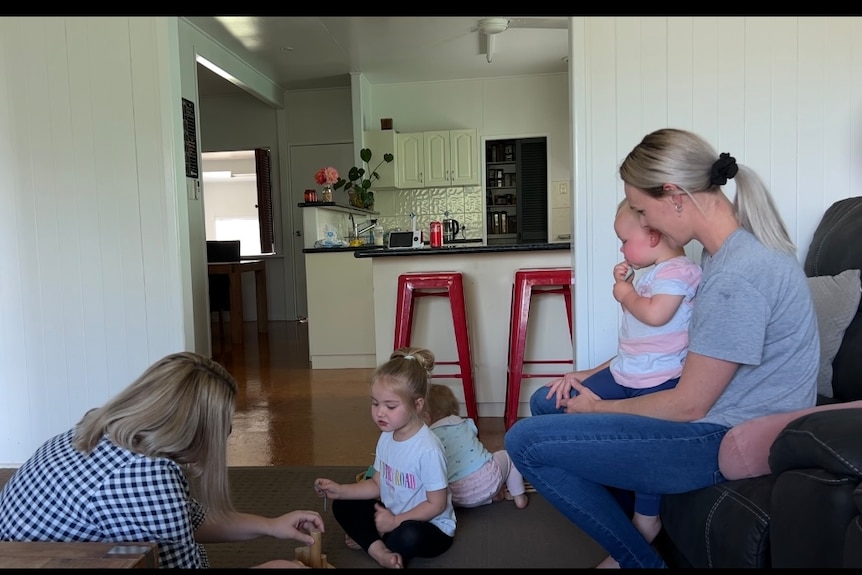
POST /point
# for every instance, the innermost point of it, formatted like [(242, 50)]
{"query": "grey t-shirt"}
[(754, 308)]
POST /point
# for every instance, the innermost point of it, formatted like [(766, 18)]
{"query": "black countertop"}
[(459, 243), (449, 249)]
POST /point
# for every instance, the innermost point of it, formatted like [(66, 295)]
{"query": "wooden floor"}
[(290, 414)]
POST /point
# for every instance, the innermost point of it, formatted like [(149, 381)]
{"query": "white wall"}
[(91, 263), (782, 95)]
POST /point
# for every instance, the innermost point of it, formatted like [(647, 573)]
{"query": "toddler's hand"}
[(384, 520), (327, 488)]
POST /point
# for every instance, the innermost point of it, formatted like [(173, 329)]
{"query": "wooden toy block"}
[(311, 555)]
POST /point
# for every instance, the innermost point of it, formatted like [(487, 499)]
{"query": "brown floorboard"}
[(290, 414)]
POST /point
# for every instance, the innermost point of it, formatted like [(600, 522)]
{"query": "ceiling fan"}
[(489, 28)]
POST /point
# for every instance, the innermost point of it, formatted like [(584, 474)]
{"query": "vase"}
[(326, 194)]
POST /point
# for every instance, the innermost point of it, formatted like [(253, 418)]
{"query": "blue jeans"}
[(572, 459), (603, 384)]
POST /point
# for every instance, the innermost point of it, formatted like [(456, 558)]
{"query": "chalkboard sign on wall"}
[(190, 138)]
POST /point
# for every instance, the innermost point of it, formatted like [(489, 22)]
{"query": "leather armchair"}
[(808, 511)]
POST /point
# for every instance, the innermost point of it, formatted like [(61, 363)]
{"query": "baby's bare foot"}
[(348, 540), (648, 525), (608, 563), (384, 556), (521, 500)]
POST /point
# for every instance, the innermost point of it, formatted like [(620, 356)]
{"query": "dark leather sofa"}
[(808, 511)]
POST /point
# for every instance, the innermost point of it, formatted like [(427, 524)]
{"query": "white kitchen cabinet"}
[(451, 158), (437, 159), (382, 142), (410, 160)]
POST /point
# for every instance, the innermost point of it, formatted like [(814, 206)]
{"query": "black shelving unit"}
[(516, 184)]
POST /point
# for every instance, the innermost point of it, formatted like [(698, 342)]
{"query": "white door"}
[(304, 163)]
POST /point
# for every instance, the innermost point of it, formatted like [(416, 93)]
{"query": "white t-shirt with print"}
[(410, 468)]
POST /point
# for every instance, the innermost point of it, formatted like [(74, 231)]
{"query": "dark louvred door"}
[(262, 161), (532, 190)]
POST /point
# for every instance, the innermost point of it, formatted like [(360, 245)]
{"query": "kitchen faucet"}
[(358, 229)]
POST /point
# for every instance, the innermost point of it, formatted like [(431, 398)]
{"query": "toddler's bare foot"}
[(608, 563), (384, 556), (521, 500), (500, 495), (348, 540), (647, 525)]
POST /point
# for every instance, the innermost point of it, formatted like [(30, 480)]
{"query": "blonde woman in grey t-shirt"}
[(753, 351)]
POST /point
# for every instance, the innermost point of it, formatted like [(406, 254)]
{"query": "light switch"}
[(194, 188), (559, 195)]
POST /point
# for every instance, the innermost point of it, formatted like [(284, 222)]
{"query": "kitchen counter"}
[(460, 249)]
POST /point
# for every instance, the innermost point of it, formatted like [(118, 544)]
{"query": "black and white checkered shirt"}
[(113, 494)]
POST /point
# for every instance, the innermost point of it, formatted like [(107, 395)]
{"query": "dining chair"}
[(219, 251)]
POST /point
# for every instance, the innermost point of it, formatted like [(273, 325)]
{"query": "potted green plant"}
[(357, 185)]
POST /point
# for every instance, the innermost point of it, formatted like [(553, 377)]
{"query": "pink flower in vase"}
[(326, 176)]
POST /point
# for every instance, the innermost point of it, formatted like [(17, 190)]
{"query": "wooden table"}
[(77, 555), (234, 271)]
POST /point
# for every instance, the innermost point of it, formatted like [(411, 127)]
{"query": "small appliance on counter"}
[(399, 240), (451, 227), (405, 240)]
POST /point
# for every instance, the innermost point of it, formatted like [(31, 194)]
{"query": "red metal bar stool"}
[(529, 283), (438, 284)]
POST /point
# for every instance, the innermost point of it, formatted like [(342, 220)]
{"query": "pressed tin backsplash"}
[(464, 204)]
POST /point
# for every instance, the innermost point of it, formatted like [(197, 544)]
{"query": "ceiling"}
[(320, 52)]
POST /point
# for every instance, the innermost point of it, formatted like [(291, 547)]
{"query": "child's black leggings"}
[(410, 539)]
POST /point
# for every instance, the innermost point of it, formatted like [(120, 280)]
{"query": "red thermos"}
[(436, 234)]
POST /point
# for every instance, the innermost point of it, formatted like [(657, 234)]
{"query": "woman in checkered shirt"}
[(150, 466)]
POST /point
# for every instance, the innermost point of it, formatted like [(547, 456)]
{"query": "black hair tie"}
[(723, 169)]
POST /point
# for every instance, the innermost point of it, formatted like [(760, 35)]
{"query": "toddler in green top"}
[(476, 476)]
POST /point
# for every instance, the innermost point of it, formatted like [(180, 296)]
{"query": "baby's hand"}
[(621, 270)]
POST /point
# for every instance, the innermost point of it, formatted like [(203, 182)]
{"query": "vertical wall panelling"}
[(48, 340), (16, 189), (783, 104), (653, 62), (810, 129), (838, 103), (704, 92), (83, 184)]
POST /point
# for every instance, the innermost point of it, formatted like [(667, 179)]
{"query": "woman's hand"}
[(327, 488), (297, 525), (583, 402), (562, 387), (384, 520)]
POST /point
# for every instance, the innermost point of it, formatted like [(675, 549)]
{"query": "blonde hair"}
[(685, 159), (408, 374), (441, 402), (180, 408)]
